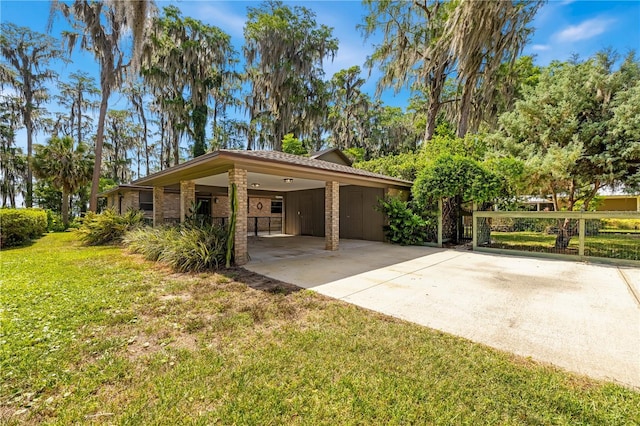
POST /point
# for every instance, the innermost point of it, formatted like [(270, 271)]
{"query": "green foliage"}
[(576, 129), (19, 226), (293, 145), (186, 248), (455, 175), (405, 227), (54, 222), (108, 227), (402, 166)]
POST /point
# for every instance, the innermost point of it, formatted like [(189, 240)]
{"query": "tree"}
[(186, 53), (13, 163), (75, 95), (27, 56), (293, 145), (122, 137), (407, 55), (575, 131), (67, 167), (102, 29), (284, 50), (348, 114), (480, 36)]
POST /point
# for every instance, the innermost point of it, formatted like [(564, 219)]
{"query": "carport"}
[(323, 196)]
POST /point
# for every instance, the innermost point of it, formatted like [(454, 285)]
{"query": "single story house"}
[(321, 195)]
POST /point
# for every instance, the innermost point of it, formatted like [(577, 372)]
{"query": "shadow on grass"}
[(260, 282)]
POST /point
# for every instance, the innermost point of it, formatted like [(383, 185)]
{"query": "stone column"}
[(332, 215), (240, 249), (187, 197), (158, 206)]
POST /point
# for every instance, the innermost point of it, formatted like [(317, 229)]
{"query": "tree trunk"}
[(434, 101), (65, 207), (97, 166), (465, 109), (28, 201)]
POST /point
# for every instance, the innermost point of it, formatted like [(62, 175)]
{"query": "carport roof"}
[(264, 162)]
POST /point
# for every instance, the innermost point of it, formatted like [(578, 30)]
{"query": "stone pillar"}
[(158, 206), (332, 215), (187, 197), (240, 249)]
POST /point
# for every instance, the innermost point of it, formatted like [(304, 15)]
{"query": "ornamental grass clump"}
[(108, 227), (186, 248)]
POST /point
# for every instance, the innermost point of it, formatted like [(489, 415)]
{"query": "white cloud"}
[(585, 30), (540, 47), (217, 14)]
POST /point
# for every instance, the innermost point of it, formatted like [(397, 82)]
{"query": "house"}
[(610, 203), (320, 196)]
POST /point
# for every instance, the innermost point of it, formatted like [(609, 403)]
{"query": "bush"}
[(54, 222), (623, 224), (19, 226), (405, 227), (186, 248), (108, 227)]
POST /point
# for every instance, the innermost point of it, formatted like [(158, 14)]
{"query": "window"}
[(146, 201), (276, 207)]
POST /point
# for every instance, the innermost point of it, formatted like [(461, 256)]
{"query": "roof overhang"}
[(220, 162)]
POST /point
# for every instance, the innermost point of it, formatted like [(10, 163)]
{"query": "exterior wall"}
[(171, 206), (187, 197), (619, 204), (130, 200)]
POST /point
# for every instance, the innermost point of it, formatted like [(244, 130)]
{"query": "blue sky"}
[(562, 28)]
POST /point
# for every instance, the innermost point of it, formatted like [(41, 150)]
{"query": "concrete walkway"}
[(581, 317)]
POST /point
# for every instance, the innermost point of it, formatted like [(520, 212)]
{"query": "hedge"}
[(19, 226)]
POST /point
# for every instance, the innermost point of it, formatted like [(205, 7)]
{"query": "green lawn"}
[(95, 335), (616, 246)]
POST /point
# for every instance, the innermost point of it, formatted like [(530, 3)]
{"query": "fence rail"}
[(601, 236)]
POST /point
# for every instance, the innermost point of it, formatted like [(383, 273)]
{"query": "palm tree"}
[(67, 167), (102, 28), (27, 54)]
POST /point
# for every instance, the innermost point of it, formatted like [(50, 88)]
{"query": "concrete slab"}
[(581, 317)]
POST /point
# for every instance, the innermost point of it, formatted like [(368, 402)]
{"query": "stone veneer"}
[(240, 248), (187, 197), (332, 215)]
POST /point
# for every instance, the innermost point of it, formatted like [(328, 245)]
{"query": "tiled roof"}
[(283, 157)]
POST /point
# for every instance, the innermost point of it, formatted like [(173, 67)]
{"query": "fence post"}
[(440, 222), (474, 226), (581, 235)]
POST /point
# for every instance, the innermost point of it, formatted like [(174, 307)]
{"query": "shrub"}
[(405, 227), (185, 248), (18, 226), (624, 224), (108, 227), (54, 222)]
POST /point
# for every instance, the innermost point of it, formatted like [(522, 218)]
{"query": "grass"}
[(93, 335), (617, 246)]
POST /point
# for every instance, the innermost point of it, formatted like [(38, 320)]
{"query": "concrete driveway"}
[(581, 317)]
